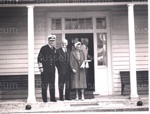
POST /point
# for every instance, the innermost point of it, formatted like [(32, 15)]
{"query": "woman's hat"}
[(77, 43)]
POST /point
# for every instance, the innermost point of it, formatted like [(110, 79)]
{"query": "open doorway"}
[(72, 38)]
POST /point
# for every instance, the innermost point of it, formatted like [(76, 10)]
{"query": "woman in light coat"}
[(78, 76)]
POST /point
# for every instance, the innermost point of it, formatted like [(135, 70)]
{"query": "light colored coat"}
[(78, 79)]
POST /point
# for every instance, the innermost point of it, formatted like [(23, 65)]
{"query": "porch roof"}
[(53, 3)]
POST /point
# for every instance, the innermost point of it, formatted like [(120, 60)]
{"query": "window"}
[(101, 23), (102, 49), (78, 23), (56, 24)]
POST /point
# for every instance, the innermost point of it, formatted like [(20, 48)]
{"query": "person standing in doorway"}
[(46, 61), (78, 76), (63, 66), (84, 47)]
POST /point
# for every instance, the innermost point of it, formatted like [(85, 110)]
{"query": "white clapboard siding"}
[(12, 38), (13, 47), (17, 42), (40, 35), (14, 61), (13, 41), (16, 52), (13, 66), (116, 80), (120, 45)]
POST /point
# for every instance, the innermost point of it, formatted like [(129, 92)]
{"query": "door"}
[(88, 37)]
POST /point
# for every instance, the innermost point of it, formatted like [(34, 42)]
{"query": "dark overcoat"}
[(47, 57), (63, 61), (78, 79)]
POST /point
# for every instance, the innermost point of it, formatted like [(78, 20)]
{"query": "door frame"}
[(93, 15), (91, 39)]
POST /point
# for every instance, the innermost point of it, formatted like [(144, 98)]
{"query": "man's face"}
[(85, 42), (51, 42), (64, 44)]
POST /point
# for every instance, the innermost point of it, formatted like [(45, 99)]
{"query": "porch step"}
[(105, 103)]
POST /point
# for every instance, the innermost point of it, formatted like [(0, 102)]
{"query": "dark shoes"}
[(65, 99), (68, 99), (61, 99), (53, 100)]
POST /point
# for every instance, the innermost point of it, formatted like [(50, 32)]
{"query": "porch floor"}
[(96, 104)]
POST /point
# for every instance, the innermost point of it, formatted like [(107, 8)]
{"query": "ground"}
[(97, 104)]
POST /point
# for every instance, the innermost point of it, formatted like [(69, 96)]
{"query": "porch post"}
[(149, 36), (31, 78), (133, 81)]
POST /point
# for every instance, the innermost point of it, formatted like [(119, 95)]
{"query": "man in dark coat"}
[(63, 65), (46, 61)]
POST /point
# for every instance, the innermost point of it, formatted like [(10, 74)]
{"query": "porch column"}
[(149, 36), (31, 78), (133, 81)]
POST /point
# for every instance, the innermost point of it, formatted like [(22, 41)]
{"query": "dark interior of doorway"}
[(90, 70)]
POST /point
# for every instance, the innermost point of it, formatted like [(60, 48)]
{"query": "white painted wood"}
[(109, 56), (133, 81), (97, 78), (13, 47), (13, 62), (124, 63), (13, 66), (31, 78), (18, 71), (120, 41), (13, 52), (24, 42), (74, 4), (149, 37)]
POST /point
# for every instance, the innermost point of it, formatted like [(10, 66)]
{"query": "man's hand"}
[(74, 70), (41, 69)]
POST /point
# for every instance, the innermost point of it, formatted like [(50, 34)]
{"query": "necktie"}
[(65, 50)]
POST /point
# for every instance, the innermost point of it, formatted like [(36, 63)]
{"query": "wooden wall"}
[(13, 41), (120, 43)]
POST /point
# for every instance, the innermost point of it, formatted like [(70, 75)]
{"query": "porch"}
[(96, 104), (119, 39)]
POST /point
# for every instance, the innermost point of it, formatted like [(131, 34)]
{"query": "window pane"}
[(89, 23), (82, 23), (56, 24), (68, 23), (102, 49), (101, 23), (79, 23), (74, 24)]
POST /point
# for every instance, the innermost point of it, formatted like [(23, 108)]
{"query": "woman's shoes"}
[(82, 98), (77, 98)]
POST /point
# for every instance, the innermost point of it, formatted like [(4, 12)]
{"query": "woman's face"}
[(78, 47)]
